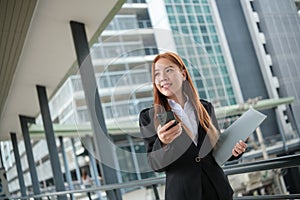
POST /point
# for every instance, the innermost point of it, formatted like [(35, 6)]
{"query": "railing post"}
[(154, 186), (66, 165)]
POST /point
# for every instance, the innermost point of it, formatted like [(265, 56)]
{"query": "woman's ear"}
[(184, 74)]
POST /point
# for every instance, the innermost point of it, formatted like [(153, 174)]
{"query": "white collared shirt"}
[(187, 115)]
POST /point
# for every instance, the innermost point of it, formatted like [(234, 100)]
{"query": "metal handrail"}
[(268, 197), (273, 163)]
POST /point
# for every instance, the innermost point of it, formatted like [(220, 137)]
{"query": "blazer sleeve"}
[(211, 111), (159, 157)]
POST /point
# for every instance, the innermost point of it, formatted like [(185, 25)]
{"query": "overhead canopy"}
[(36, 48)]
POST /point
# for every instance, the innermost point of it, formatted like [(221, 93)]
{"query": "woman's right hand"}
[(167, 136)]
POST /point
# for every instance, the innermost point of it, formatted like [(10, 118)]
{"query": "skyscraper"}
[(195, 32), (264, 40), (263, 37)]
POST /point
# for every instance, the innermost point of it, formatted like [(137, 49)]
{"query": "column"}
[(51, 143), (14, 141), (104, 147), (24, 120)]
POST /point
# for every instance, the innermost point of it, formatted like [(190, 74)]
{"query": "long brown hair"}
[(188, 87)]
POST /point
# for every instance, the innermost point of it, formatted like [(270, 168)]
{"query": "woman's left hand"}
[(239, 148)]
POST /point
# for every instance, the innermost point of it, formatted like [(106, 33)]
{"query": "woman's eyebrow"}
[(157, 69)]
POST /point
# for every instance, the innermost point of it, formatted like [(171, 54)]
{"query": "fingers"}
[(167, 136), (167, 125), (239, 148)]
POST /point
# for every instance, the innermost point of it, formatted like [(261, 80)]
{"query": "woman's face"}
[(168, 78)]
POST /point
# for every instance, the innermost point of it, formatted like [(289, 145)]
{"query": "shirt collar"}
[(173, 104)]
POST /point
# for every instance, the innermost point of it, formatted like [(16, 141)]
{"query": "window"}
[(215, 39), (204, 61), (181, 51), (221, 92), (212, 60), (179, 9), (212, 29), (170, 9), (197, 38), (175, 28), (206, 72), (209, 49), (206, 40), (191, 19), (218, 82), (187, 40), (212, 94), (271, 69), (103, 81), (215, 70), (182, 19), (206, 9), (194, 29), (189, 9), (221, 60), (229, 91), (178, 41), (232, 101), (252, 6), (172, 19), (198, 9), (200, 19), (209, 19), (202, 94), (203, 29), (227, 81), (258, 27), (223, 69), (185, 29), (190, 51), (265, 48), (199, 84), (218, 49)]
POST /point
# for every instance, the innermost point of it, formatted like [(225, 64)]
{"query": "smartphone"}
[(165, 117)]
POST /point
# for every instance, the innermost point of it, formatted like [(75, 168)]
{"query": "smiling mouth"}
[(166, 86)]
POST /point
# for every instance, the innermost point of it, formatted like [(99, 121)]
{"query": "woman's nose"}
[(161, 77)]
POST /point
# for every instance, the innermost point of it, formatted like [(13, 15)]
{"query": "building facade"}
[(264, 42)]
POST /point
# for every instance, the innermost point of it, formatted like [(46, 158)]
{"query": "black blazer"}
[(185, 178)]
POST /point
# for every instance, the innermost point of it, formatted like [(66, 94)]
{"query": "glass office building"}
[(197, 34)]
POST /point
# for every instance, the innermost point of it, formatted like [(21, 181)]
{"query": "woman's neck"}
[(180, 99)]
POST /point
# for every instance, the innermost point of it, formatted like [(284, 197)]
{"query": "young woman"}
[(183, 151)]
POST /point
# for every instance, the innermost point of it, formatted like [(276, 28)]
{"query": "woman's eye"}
[(169, 70)]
